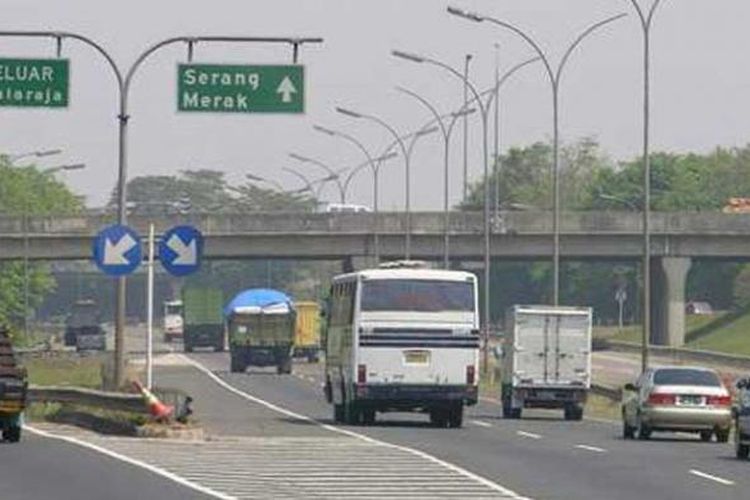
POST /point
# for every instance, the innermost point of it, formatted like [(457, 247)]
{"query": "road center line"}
[(591, 448), (480, 423), (710, 477), (529, 435)]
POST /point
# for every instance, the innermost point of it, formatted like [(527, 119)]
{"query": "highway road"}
[(540, 456), (271, 436)]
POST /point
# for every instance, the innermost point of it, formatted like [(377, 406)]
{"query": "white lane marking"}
[(486, 482), (591, 448), (155, 470), (725, 482), (529, 435), (480, 423)]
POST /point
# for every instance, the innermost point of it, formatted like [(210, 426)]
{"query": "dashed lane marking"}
[(480, 423), (595, 449), (711, 477), (529, 435)]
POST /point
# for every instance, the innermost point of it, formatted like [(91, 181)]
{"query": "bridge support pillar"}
[(669, 301)]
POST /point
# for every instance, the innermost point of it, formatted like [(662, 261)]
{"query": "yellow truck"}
[(307, 331)]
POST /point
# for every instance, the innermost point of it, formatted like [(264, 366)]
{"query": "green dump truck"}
[(261, 325), (203, 324), (13, 388)]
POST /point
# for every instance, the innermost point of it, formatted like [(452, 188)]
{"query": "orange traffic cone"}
[(156, 408)]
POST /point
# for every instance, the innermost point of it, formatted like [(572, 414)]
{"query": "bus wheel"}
[(338, 413), (439, 417), (456, 415)]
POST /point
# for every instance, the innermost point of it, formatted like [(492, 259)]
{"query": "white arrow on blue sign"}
[(117, 250), (181, 250)]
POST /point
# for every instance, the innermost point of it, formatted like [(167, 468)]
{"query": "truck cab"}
[(83, 328)]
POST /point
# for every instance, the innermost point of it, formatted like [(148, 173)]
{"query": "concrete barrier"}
[(683, 355)]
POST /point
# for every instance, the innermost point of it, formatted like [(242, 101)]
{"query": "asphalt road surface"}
[(40, 468), (540, 456)]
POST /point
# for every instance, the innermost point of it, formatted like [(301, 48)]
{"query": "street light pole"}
[(405, 152), (331, 172), (467, 60), (485, 148), (446, 132), (555, 77), (646, 21)]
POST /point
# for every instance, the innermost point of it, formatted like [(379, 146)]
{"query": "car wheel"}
[(706, 436), (722, 436)]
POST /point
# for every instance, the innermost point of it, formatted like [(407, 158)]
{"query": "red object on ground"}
[(156, 408)]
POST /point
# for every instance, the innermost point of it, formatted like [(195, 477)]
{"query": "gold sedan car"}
[(686, 399)]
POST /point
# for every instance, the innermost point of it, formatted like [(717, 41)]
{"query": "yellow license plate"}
[(417, 357)]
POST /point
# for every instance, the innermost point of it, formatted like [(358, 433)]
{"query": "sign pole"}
[(150, 310)]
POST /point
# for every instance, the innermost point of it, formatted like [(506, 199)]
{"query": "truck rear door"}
[(531, 346), (571, 349)]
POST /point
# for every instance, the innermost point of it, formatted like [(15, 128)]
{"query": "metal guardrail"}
[(612, 393), (87, 397), (682, 354)]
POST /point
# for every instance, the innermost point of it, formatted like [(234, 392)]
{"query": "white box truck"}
[(546, 359)]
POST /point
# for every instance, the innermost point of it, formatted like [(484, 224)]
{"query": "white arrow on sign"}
[(187, 255), (286, 89), (114, 253)]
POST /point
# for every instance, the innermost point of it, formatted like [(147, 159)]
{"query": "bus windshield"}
[(175, 309), (417, 295)]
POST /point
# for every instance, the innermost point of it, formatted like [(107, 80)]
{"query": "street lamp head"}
[(47, 152), (331, 177), (324, 130), (407, 56), (348, 112), (389, 156), (471, 16), (254, 177), (426, 131), (74, 166)]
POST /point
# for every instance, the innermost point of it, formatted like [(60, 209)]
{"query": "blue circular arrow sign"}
[(117, 250), (181, 250)]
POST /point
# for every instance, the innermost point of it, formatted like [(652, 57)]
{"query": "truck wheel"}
[(219, 347), (236, 365), (12, 434), (456, 416), (573, 412), (285, 368), (706, 436), (188, 347), (722, 435)]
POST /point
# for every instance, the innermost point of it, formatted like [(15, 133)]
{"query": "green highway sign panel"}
[(34, 83), (226, 88)]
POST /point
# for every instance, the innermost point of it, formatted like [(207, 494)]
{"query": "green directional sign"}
[(223, 88), (34, 83)]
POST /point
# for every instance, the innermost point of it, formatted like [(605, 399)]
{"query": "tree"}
[(27, 191)]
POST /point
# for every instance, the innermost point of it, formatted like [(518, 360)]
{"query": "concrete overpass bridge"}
[(677, 239)]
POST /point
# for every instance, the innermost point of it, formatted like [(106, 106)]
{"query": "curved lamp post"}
[(446, 131), (483, 112), (555, 77), (308, 183), (331, 172), (646, 21), (258, 178), (405, 152)]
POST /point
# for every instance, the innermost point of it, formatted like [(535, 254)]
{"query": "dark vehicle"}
[(261, 326), (203, 322), (741, 414), (83, 327), (13, 388)]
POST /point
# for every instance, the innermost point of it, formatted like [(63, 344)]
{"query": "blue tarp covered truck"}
[(261, 324)]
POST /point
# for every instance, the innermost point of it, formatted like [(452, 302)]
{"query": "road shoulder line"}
[(137, 463)]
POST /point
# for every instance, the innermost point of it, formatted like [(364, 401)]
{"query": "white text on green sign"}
[(240, 89), (40, 83)]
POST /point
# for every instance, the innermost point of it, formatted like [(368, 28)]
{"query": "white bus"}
[(402, 340)]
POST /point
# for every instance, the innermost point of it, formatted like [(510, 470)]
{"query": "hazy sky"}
[(700, 86)]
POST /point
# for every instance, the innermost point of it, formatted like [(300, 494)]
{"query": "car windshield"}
[(417, 295), (681, 376)]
